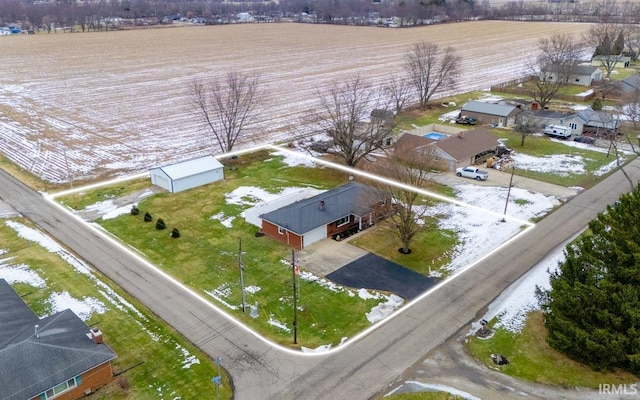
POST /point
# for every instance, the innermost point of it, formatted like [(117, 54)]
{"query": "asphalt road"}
[(366, 365)]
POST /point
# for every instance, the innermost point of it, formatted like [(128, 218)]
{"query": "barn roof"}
[(191, 167), (481, 107)]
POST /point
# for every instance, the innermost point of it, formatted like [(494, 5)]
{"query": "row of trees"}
[(98, 14), (227, 105)]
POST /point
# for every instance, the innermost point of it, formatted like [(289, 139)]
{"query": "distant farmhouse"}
[(583, 75), (187, 174), (348, 208), (58, 356)]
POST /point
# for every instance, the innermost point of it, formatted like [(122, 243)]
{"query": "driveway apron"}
[(373, 272)]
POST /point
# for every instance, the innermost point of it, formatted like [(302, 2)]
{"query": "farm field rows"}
[(88, 106)]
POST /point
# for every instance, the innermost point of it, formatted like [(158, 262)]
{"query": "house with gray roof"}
[(187, 174), (583, 75), (351, 207), (598, 123), (629, 86), (467, 148), (57, 356), (499, 115)]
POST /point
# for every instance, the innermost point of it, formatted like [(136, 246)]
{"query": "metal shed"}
[(187, 174)]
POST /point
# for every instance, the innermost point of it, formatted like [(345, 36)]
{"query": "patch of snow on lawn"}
[(293, 160), (107, 209), (559, 164), (480, 232), (416, 387), (227, 222), (252, 289), (308, 276), (383, 310), (20, 273), (365, 294), (518, 300), (36, 236), (220, 293), (189, 359), (277, 324), (605, 169), (82, 308)]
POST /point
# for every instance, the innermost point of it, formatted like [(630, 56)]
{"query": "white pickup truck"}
[(473, 173)]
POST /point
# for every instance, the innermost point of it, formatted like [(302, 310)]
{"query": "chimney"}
[(36, 331), (96, 336), (321, 205)]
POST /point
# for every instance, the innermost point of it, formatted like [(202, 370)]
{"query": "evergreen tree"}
[(592, 310)]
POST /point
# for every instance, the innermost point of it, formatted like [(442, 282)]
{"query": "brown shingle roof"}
[(468, 144)]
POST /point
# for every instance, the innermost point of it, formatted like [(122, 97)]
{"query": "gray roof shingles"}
[(305, 215), (481, 107), (32, 365)]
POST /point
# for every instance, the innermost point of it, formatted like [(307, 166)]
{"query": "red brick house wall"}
[(90, 380), (286, 237)]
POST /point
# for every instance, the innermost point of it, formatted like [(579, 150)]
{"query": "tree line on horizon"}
[(98, 15)]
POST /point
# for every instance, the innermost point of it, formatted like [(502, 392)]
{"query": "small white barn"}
[(187, 174)]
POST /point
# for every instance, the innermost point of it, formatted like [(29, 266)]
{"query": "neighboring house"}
[(351, 207), (467, 148), (583, 75), (187, 174), (615, 60), (598, 123), (627, 87), (58, 356), (544, 118), (500, 115)]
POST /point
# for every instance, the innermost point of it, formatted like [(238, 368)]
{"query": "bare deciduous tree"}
[(608, 40), (398, 88), (432, 70), (226, 106), (345, 115), (559, 56), (526, 125), (410, 168)]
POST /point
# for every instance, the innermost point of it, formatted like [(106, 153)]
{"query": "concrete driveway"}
[(327, 256), (502, 179)]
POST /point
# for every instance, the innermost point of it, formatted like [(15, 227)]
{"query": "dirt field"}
[(93, 105)]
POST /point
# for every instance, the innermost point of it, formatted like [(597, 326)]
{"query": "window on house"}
[(343, 221), (61, 388), (577, 79), (281, 230)]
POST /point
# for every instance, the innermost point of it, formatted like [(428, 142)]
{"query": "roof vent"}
[(321, 206)]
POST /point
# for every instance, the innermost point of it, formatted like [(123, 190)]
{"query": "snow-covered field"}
[(92, 105)]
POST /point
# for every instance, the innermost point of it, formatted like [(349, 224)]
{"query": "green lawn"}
[(160, 359), (205, 256), (541, 146), (532, 359)]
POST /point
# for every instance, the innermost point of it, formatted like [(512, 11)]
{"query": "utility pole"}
[(241, 271), (506, 203), (295, 298)]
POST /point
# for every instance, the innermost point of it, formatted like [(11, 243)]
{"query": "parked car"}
[(584, 139), (473, 173)]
